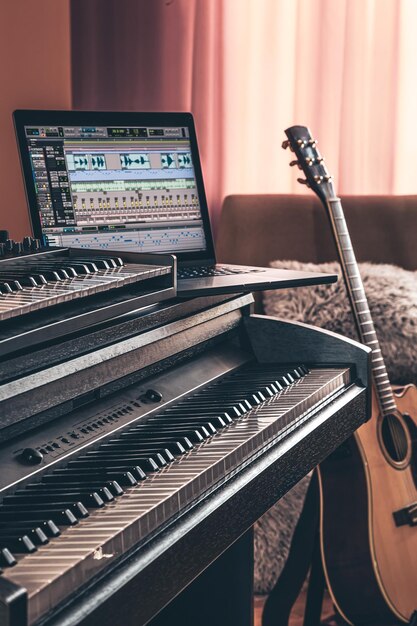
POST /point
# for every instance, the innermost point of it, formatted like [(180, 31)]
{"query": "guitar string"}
[(384, 404), (338, 220)]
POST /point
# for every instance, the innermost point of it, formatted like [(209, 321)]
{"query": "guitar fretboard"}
[(360, 307)]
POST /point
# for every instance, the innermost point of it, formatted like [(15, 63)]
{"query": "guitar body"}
[(370, 563), (369, 485)]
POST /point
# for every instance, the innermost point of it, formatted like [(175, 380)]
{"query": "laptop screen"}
[(116, 186)]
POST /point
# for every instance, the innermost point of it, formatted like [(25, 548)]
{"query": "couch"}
[(256, 229)]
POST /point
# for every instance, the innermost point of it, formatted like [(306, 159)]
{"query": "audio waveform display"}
[(168, 160), (184, 159), (98, 162), (83, 162), (135, 161)]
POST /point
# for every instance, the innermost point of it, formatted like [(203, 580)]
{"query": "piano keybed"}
[(64, 527), (38, 281)]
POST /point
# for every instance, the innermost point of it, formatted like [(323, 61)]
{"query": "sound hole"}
[(395, 438)]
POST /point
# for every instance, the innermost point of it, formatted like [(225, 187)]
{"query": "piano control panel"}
[(87, 430)]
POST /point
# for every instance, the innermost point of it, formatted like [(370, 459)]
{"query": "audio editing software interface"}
[(116, 188)]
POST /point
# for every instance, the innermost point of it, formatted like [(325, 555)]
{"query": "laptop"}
[(131, 181)]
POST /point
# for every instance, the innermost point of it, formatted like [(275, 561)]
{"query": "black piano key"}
[(195, 435), (62, 516), (36, 534), (49, 528), (85, 479), (166, 420), (77, 508), (120, 475), (26, 280), (78, 489), (233, 406), (154, 459), (132, 435), (87, 499), (104, 263), (10, 286), (6, 558), (145, 465), (18, 545), (137, 447), (218, 420), (114, 261)]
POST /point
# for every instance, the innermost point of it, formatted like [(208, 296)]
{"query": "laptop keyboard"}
[(201, 271)]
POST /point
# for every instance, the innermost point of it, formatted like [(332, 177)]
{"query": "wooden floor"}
[(297, 615)]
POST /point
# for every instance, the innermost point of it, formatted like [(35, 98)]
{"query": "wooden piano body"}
[(198, 561)]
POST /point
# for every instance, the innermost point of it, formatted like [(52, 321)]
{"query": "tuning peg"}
[(310, 161), (303, 181), (301, 143), (312, 142), (285, 144), (295, 162), (318, 179), (328, 179), (319, 159)]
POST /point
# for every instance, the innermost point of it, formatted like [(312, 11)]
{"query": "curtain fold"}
[(248, 69)]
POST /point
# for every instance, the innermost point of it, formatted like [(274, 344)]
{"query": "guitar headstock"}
[(310, 161)]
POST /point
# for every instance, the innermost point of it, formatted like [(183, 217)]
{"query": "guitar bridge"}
[(406, 516)]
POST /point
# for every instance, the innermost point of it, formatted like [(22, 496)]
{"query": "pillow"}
[(392, 297)]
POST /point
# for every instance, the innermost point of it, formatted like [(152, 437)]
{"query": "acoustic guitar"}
[(368, 486)]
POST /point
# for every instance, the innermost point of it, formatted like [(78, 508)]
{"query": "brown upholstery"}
[(256, 229)]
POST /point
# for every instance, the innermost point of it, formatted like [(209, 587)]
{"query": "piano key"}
[(59, 516), (87, 499), (6, 558), (195, 435), (133, 433), (118, 474), (152, 460), (138, 447), (204, 423), (77, 508), (144, 465), (77, 489), (174, 444), (17, 545), (36, 534), (62, 477)]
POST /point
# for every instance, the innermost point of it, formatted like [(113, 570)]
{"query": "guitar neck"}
[(359, 303)]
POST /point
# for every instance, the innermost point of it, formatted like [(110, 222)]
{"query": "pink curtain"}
[(247, 69)]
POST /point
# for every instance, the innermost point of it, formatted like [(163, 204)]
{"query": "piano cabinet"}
[(197, 566)]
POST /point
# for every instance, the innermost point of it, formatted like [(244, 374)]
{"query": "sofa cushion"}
[(392, 297)]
